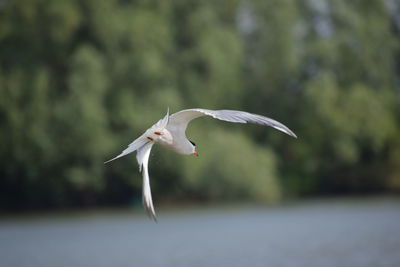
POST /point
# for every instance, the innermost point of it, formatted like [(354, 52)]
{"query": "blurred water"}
[(330, 233)]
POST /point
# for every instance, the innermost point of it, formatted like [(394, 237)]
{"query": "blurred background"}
[(79, 80)]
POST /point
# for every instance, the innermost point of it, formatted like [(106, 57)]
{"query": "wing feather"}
[(139, 142), (182, 118)]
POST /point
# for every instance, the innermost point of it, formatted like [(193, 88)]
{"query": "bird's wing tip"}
[(287, 131), (105, 162)]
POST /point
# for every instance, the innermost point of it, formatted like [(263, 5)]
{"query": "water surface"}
[(318, 233)]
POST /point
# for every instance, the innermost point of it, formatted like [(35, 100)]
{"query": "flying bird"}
[(170, 132)]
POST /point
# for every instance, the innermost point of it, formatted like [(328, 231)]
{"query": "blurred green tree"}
[(81, 79)]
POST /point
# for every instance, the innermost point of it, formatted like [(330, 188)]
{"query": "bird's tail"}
[(142, 157)]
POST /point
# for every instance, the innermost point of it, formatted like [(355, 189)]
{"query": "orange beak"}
[(195, 153)]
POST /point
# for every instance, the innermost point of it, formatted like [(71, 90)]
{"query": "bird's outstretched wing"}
[(135, 145), (183, 117), (142, 157), (142, 140)]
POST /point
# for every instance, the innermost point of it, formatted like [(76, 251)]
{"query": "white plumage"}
[(170, 132)]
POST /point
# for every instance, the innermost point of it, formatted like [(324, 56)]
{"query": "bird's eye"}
[(192, 143)]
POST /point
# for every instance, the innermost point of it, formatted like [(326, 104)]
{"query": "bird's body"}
[(170, 132)]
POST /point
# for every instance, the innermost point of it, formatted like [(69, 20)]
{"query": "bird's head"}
[(194, 152)]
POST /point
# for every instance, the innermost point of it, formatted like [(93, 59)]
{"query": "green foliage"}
[(230, 166), (79, 80), (354, 115)]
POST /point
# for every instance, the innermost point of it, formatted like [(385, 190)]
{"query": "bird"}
[(170, 132)]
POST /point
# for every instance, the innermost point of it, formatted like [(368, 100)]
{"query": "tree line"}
[(79, 80)]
